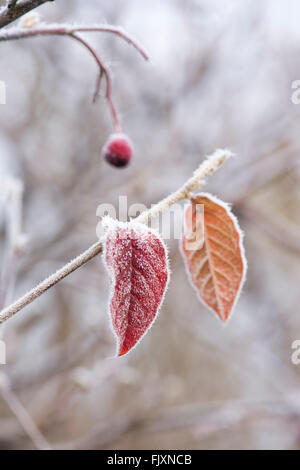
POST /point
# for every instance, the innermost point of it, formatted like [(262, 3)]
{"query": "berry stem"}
[(103, 71), (71, 31)]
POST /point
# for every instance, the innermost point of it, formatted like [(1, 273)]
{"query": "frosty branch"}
[(210, 165)]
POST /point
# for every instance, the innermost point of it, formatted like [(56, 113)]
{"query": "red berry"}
[(118, 150)]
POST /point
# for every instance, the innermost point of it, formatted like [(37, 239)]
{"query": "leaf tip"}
[(122, 351)]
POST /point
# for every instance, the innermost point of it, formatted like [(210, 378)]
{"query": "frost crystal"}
[(216, 268), (136, 260)]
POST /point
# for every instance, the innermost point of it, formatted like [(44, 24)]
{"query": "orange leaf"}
[(212, 247)]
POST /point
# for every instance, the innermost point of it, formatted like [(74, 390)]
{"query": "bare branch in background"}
[(86, 256), (71, 31), (22, 415), (66, 29), (15, 241), (15, 238), (102, 71)]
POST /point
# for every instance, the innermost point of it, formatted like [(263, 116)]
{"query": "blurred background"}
[(220, 75)]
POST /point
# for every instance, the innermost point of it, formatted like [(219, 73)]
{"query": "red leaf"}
[(137, 264), (212, 248)]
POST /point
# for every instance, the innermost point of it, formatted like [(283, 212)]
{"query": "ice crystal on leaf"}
[(216, 267), (136, 260)]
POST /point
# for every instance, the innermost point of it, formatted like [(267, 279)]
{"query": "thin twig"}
[(14, 238), (59, 360), (103, 71), (22, 415), (209, 165), (14, 247), (65, 29), (89, 254), (71, 31), (98, 86)]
